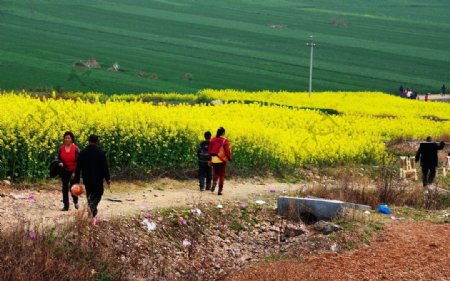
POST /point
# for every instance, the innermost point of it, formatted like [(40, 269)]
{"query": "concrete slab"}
[(322, 209), (357, 206)]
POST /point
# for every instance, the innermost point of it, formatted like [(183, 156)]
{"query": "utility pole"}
[(311, 44)]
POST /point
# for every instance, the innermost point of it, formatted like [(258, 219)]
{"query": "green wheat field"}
[(186, 45)]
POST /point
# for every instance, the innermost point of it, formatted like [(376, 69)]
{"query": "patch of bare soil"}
[(403, 251)]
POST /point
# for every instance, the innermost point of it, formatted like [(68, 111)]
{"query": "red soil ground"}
[(403, 251)]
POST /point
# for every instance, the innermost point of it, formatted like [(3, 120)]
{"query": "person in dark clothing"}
[(68, 155), (93, 168), (428, 155), (220, 152), (443, 89), (204, 169)]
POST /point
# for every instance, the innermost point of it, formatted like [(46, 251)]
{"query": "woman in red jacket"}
[(220, 152), (68, 154)]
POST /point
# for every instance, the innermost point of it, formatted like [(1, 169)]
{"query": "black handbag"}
[(54, 168)]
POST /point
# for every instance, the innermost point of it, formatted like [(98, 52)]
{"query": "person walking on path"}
[(220, 152), (68, 155), (93, 168), (428, 155), (204, 168), (443, 89)]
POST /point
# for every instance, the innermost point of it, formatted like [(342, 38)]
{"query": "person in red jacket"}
[(220, 152), (68, 155)]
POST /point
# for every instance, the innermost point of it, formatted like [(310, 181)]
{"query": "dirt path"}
[(403, 251), (41, 204), (437, 97)]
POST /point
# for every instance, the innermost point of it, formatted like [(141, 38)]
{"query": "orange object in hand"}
[(77, 189)]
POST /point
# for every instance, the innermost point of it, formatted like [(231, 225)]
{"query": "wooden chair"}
[(445, 168), (407, 166)]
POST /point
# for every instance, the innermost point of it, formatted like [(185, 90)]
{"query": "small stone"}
[(274, 228), (292, 230), (17, 197), (333, 247), (326, 227)]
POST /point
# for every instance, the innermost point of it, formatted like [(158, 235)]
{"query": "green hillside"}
[(187, 45)]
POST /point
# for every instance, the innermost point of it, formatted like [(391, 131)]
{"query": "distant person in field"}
[(426, 96), (428, 156), (68, 155), (204, 161), (93, 168), (443, 89), (220, 152), (409, 93), (400, 90)]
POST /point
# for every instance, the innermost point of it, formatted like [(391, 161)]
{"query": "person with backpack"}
[(204, 168), (68, 157), (220, 152)]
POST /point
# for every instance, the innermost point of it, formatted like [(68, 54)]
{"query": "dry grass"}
[(380, 185), (67, 251)]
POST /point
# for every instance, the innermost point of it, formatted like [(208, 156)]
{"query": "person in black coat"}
[(428, 155), (93, 168)]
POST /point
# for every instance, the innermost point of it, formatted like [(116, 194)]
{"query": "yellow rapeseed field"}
[(280, 133)]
